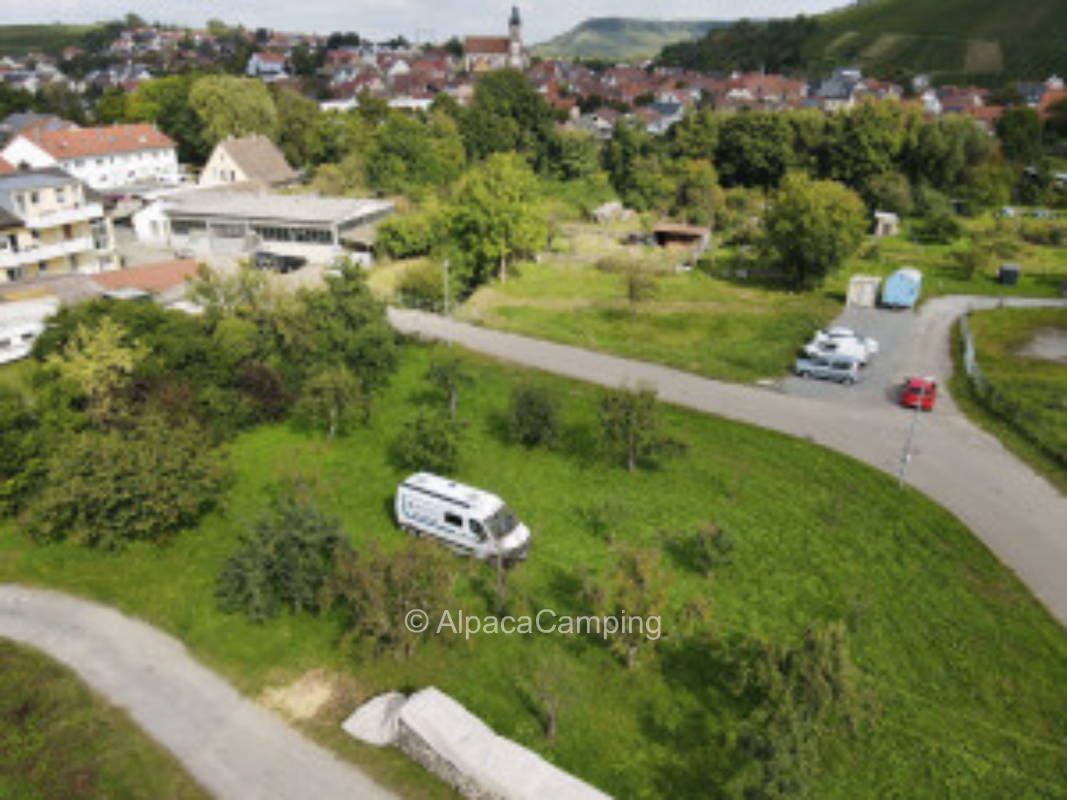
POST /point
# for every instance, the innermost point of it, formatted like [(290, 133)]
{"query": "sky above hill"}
[(417, 20)]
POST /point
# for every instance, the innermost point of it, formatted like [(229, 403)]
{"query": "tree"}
[(890, 191), (374, 591), (283, 560), (811, 227), (105, 488), (579, 155), (754, 149), (22, 449), (429, 442), (165, 101), (629, 423), (333, 398), (297, 126), (533, 415), (341, 323), (635, 588), (695, 136), (447, 374), (507, 115), (230, 106), (100, 362), (244, 293), (495, 219), (640, 285), (866, 141), (406, 153), (1019, 132), (698, 197)]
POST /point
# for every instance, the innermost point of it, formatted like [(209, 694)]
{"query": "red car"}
[(919, 393)]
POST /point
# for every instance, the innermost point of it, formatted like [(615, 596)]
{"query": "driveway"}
[(231, 746), (1015, 512)]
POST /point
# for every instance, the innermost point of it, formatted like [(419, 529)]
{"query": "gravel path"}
[(231, 746), (1019, 515)]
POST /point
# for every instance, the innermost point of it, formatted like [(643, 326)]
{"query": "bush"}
[(107, 488), (282, 562), (1043, 233), (705, 548), (533, 416), (422, 286), (890, 192), (411, 235), (375, 591), (430, 442)]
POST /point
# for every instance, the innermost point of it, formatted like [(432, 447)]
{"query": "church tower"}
[(516, 59)]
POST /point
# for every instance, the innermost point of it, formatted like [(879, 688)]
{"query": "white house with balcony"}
[(51, 224), (107, 159)]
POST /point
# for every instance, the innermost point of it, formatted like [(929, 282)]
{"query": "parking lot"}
[(881, 378)]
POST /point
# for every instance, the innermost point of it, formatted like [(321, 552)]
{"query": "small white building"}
[(886, 223), (108, 158), (863, 291), (266, 66)]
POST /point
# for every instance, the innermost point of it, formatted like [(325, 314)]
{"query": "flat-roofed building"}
[(51, 224), (208, 222)]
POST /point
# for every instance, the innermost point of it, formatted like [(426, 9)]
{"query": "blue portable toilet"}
[(901, 289)]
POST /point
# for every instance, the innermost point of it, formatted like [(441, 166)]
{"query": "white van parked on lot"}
[(468, 520)]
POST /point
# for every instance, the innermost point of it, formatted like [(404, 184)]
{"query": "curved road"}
[(1019, 515), (231, 746)]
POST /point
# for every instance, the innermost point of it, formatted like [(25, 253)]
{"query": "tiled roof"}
[(149, 278), (259, 159), (481, 45), (82, 142)]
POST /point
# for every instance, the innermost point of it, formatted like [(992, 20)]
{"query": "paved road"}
[(1018, 514), (232, 747)]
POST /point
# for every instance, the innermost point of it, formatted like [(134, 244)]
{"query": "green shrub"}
[(107, 488), (282, 562), (429, 442), (533, 415)]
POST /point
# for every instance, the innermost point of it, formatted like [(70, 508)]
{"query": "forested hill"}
[(618, 39), (953, 37)]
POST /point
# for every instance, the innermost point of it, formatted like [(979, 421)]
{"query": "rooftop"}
[(148, 278), (82, 142), (259, 159), (277, 207)]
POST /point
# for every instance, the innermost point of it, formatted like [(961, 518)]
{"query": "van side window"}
[(453, 519), (477, 529)]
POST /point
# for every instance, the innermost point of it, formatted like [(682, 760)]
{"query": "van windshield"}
[(502, 522)]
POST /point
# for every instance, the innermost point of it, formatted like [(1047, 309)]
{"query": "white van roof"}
[(476, 502)]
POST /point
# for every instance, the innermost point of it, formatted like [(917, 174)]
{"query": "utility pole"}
[(444, 273), (905, 457)]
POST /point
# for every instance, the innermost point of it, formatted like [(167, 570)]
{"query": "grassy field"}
[(966, 669), (1036, 386), (21, 39), (58, 740), (732, 330)]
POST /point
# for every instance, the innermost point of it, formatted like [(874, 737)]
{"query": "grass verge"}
[(1036, 388), (59, 740)]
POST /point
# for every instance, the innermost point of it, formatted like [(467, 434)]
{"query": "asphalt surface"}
[(1016, 513), (232, 747)]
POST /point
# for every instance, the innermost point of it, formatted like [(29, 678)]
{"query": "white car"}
[(838, 333), (851, 348)]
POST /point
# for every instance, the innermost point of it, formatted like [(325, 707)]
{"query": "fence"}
[(1002, 405)]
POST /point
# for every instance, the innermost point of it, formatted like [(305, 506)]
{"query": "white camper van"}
[(466, 519)]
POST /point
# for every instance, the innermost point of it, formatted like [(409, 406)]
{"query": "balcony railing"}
[(45, 252), (64, 216)]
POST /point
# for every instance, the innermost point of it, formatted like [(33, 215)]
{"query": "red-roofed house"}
[(266, 66), (106, 158)]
